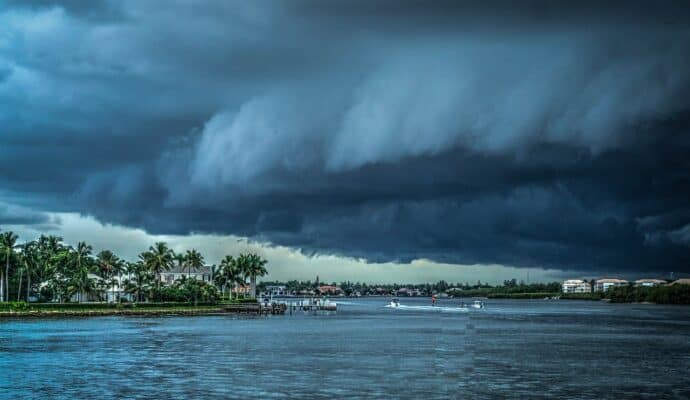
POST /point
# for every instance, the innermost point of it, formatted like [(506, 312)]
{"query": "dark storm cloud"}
[(533, 134)]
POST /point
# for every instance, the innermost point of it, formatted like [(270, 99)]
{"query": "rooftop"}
[(183, 270), (611, 280)]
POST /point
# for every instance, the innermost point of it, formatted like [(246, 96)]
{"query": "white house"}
[(605, 284), (576, 286), (277, 291), (169, 277), (649, 282)]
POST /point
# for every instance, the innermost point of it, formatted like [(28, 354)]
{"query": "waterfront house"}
[(576, 286), (605, 284), (276, 291), (169, 277), (329, 289), (649, 282), (240, 289), (682, 281)]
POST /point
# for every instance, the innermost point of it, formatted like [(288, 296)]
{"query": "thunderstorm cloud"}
[(530, 134)]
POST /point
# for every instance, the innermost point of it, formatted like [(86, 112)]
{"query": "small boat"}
[(477, 304), (395, 303)]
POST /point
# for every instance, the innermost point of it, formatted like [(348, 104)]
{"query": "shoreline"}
[(112, 312)]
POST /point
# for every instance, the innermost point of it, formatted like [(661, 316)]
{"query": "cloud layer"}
[(539, 135)]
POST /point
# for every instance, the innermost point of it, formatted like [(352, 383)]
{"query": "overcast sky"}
[(375, 141)]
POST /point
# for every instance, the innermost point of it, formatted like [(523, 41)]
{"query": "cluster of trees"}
[(425, 289), (665, 294), (49, 269)]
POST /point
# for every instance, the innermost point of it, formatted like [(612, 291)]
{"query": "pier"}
[(282, 306)]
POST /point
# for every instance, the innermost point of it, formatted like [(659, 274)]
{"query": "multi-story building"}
[(169, 277), (576, 286), (605, 284), (649, 282)]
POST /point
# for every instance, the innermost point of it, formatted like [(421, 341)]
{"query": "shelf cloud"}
[(529, 135)]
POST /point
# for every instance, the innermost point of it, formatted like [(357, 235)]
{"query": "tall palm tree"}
[(8, 241), (138, 282), (80, 265), (110, 267), (48, 249), (230, 272), (253, 266), (29, 261), (193, 260), (159, 259)]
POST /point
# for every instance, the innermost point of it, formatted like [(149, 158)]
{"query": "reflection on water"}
[(512, 348)]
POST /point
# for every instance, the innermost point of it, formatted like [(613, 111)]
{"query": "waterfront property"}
[(682, 281), (602, 285), (576, 286), (650, 282), (410, 292), (330, 290), (277, 291), (169, 277), (241, 289)]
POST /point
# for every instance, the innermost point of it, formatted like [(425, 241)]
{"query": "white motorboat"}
[(395, 303), (477, 304)]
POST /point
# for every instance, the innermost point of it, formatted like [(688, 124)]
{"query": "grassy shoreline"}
[(199, 310), (22, 309)]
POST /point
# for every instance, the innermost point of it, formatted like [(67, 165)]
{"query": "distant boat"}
[(477, 304), (395, 303)]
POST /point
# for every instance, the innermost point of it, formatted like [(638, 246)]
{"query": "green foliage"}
[(582, 296), (14, 306), (188, 290), (671, 294), (516, 295)]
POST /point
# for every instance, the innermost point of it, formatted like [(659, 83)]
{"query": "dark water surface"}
[(511, 349)]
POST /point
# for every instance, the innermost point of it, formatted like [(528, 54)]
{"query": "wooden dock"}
[(255, 308), (281, 307)]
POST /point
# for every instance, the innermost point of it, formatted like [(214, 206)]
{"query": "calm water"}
[(512, 348)]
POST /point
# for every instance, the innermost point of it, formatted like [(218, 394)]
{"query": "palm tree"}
[(8, 241), (253, 266), (79, 264), (48, 249), (193, 260), (139, 278), (159, 258), (230, 272), (80, 283), (29, 261), (109, 266)]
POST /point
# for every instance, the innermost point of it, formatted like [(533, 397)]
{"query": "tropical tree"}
[(29, 261), (229, 274), (79, 264), (253, 266), (193, 261), (139, 278), (110, 267), (49, 247), (8, 241), (157, 259)]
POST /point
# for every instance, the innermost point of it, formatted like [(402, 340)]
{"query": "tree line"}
[(49, 269)]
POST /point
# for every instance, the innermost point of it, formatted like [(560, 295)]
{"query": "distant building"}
[(329, 289), (169, 277), (576, 286), (649, 282), (408, 292), (605, 284), (241, 289), (277, 291), (683, 281)]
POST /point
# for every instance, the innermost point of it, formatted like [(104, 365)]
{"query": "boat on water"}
[(477, 304), (395, 303)]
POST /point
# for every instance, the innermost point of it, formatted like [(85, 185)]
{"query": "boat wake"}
[(428, 308)]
